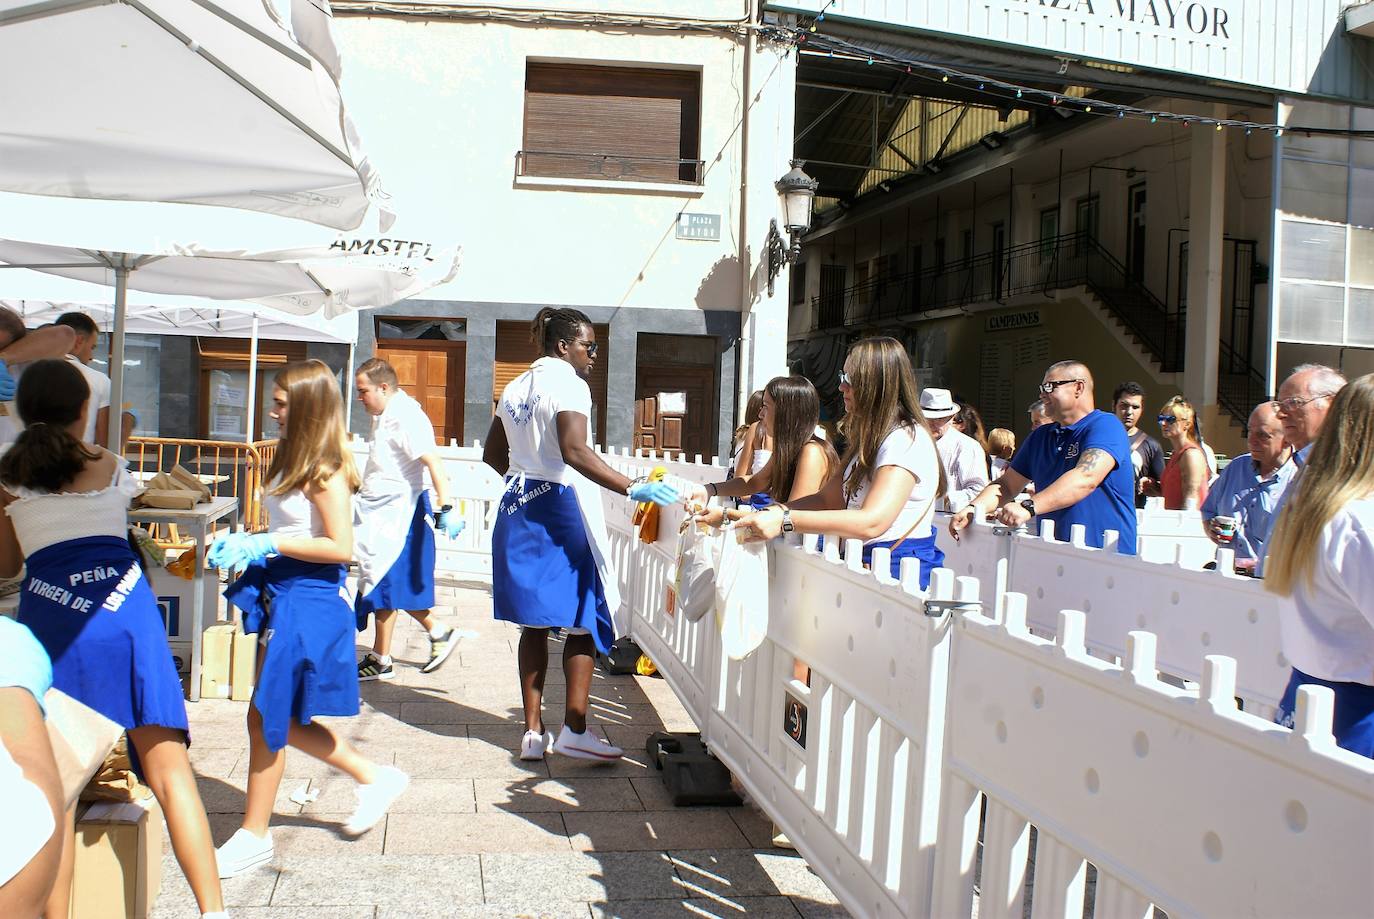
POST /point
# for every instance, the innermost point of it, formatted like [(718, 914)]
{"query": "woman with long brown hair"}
[(86, 600), (1322, 554), (891, 475), (800, 462), (293, 597)]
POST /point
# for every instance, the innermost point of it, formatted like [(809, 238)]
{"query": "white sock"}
[(219, 915), (437, 632), (383, 659)]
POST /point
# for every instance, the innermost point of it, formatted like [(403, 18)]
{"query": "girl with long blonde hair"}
[(1322, 554), (1184, 483), (292, 595), (890, 476)]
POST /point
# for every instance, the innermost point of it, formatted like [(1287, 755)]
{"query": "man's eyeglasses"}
[(591, 346), (1166, 419), (845, 380), (1293, 403), (1052, 385)]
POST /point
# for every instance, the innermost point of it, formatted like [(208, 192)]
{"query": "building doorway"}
[(432, 371), (1135, 233), (675, 394)]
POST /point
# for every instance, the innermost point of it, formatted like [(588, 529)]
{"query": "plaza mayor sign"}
[(1195, 18)]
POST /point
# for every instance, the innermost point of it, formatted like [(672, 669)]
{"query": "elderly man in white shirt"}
[(966, 462)]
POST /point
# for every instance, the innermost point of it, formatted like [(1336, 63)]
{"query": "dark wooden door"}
[(433, 372), (675, 409)]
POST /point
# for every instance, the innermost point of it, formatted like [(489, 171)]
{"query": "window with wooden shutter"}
[(515, 352), (629, 123)]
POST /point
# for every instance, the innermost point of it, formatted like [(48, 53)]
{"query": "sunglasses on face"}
[(1166, 419), (845, 380), (1052, 385), (591, 346)]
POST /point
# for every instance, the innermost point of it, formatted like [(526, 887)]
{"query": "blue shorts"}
[(925, 549)]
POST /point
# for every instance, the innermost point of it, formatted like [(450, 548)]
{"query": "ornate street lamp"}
[(798, 191)]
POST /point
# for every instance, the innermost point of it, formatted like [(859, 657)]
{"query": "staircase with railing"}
[(1059, 263)]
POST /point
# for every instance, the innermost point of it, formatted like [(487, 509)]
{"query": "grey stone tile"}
[(417, 882), (568, 910), (653, 794), (723, 872), (810, 909), (524, 878), (458, 834), (457, 713), (468, 761), (661, 830), (227, 796), (767, 907), (216, 762), (793, 877), (424, 796), (291, 912), (641, 714), (634, 764), (579, 793), (755, 825), (252, 889)]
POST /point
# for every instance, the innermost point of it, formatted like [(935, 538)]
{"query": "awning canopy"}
[(220, 321)]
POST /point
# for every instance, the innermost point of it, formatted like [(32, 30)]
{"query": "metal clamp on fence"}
[(1001, 529), (937, 608)]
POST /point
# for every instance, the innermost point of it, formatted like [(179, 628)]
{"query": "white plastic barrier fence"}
[(1172, 536), (1176, 798)]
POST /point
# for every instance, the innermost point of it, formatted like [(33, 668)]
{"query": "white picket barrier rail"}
[(1172, 536), (1176, 798)]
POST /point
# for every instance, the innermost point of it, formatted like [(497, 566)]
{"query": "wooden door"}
[(433, 373), (675, 409)]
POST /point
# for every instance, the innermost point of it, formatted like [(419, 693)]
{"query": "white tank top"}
[(43, 518), (758, 459), (293, 514)]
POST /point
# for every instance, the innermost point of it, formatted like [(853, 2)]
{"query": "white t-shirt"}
[(401, 434), (1332, 635), (913, 449), (100, 395), (529, 409)]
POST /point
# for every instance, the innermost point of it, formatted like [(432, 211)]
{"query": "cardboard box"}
[(174, 597), (216, 651), (118, 871), (243, 670)]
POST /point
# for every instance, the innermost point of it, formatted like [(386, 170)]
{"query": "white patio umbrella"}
[(350, 274), (188, 101)]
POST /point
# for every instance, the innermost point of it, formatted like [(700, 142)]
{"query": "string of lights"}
[(809, 37)]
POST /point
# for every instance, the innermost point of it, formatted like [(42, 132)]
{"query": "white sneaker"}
[(535, 745), (374, 800), (585, 746), (243, 852)]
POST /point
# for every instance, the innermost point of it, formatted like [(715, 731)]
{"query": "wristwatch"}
[(446, 508), (1029, 505), (787, 526)]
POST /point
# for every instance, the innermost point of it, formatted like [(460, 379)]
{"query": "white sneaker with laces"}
[(243, 852), (535, 744), (374, 800), (585, 746)]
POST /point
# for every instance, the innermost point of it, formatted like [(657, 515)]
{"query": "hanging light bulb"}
[(944, 79), (1087, 108), (1120, 114), (980, 86), (1018, 94), (870, 60), (1219, 126), (1154, 119)]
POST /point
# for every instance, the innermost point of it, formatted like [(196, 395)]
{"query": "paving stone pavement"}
[(479, 834)]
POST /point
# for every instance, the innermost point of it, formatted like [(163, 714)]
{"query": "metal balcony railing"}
[(563, 164)]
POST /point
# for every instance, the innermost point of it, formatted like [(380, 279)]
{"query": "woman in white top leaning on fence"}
[(891, 473), (1322, 553)]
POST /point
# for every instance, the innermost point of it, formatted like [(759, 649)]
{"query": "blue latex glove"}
[(447, 522), (660, 493), (26, 664), (238, 550), (8, 384)]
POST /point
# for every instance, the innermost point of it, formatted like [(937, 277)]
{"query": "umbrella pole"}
[(252, 381), (348, 387), (116, 426)]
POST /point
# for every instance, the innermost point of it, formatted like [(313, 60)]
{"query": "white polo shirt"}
[(401, 434), (529, 409), (1332, 635), (912, 449), (100, 394)]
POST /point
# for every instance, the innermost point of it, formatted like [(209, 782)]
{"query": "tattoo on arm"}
[(1094, 459)]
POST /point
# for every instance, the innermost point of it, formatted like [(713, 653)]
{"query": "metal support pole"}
[(114, 437), (348, 386), (252, 382)]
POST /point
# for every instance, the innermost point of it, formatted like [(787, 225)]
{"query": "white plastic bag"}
[(692, 590), (741, 595)]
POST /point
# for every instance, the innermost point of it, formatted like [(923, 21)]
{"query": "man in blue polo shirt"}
[(1080, 464)]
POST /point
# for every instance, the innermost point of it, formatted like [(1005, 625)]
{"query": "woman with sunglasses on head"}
[(800, 462), (86, 600), (1322, 555), (885, 491), (1184, 483), (293, 598), (549, 550)]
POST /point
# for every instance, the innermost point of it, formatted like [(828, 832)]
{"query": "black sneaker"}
[(372, 668), (439, 650)]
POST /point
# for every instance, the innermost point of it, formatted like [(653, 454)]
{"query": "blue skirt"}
[(925, 549), (89, 605), (543, 570), (1352, 722), (409, 582), (309, 667)]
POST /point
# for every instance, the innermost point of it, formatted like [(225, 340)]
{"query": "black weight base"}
[(691, 774), (621, 660)]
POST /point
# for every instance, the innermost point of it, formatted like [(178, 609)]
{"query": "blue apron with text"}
[(301, 612), (544, 572)]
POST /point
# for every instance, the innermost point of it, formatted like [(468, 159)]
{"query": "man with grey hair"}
[(1036, 411), (1241, 506), (1303, 401), (1080, 464)]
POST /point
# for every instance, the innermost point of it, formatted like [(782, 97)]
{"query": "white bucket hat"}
[(937, 403)]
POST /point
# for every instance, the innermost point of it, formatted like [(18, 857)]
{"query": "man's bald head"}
[(1074, 369)]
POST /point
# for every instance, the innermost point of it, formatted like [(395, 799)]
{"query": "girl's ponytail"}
[(46, 456)]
